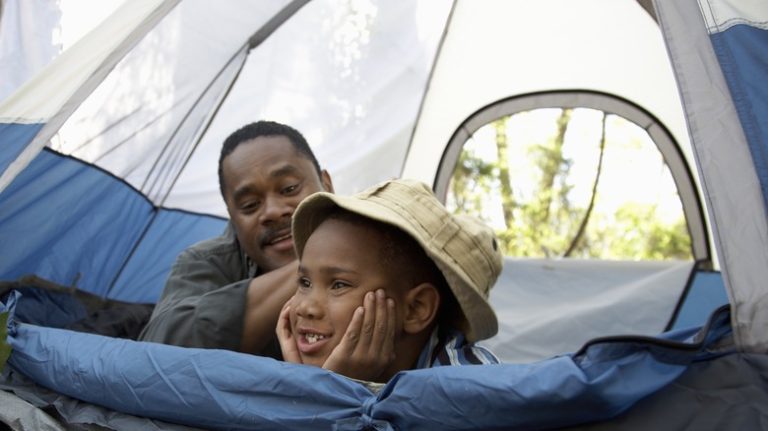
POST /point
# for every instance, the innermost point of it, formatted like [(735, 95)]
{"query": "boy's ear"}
[(422, 303)]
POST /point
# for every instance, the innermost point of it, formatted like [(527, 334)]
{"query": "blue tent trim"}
[(14, 138), (704, 293), (219, 389), (143, 277), (743, 59), (75, 224)]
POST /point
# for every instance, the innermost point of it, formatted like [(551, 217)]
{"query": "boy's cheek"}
[(292, 319)]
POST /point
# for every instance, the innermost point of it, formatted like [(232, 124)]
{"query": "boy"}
[(387, 279)]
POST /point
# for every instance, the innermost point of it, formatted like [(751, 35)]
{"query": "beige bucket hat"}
[(463, 248)]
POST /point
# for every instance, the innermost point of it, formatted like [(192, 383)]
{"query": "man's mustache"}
[(274, 231)]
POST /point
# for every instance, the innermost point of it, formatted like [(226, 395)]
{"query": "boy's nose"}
[(308, 306)]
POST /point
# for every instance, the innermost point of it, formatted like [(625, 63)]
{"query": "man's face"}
[(264, 180), (340, 264)]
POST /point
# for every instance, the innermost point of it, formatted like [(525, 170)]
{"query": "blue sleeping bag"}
[(219, 389)]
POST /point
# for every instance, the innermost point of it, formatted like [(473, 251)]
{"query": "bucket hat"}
[(463, 248)]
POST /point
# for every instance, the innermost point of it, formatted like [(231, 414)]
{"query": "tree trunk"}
[(502, 151)]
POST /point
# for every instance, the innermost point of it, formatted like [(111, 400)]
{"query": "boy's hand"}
[(368, 345), (285, 336)]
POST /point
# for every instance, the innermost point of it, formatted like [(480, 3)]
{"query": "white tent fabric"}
[(57, 91), (26, 40), (593, 299), (490, 54), (332, 116), (355, 103)]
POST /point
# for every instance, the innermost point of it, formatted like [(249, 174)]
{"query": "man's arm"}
[(265, 298), (202, 304)]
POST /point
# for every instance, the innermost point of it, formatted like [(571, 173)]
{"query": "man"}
[(227, 292)]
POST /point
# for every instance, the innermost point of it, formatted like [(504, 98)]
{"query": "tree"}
[(544, 220)]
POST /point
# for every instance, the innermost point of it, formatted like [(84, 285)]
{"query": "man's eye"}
[(290, 189), (250, 205)]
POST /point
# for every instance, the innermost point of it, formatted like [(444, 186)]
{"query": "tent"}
[(107, 173)]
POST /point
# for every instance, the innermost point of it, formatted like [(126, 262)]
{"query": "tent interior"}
[(108, 159)]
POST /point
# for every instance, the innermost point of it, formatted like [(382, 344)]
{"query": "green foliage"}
[(5, 348), (472, 178), (636, 233), (544, 220)]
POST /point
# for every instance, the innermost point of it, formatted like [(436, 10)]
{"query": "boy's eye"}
[(339, 284), (304, 282)]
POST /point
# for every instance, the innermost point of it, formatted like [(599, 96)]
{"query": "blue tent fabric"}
[(220, 389), (705, 293), (741, 53), (13, 138), (92, 208), (70, 190)]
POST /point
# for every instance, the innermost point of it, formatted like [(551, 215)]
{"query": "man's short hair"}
[(265, 128)]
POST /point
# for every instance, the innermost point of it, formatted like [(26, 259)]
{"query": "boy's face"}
[(340, 264)]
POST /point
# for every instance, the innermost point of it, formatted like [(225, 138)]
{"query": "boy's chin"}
[(313, 360)]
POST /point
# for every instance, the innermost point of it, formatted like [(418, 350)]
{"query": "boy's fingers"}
[(339, 359), (367, 346), (369, 320), (283, 322), (388, 348), (285, 337), (351, 337), (381, 322)]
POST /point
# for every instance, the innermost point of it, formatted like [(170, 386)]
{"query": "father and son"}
[(365, 285)]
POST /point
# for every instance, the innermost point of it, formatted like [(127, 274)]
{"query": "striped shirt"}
[(445, 348), (451, 348)]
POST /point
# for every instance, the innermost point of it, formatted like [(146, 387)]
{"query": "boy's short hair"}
[(463, 249)]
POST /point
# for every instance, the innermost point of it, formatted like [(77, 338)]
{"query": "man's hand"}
[(285, 336), (368, 345), (266, 296)]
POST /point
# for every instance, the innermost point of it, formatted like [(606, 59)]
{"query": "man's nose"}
[(276, 207)]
